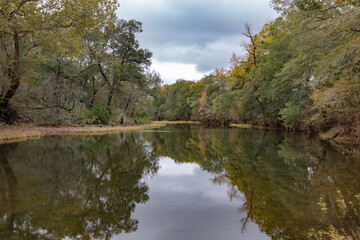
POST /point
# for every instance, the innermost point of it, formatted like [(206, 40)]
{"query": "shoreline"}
[(10, 134), (332, 136)]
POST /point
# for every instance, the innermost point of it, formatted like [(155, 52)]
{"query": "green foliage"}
[(108, 68), (300, 71), (142, 120), (32, 30), (291, 114), (98, 115), (142, 116), (308, 5), (223, 104)]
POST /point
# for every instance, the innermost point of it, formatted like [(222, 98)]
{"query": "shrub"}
[(98, 115), (142, 120), (291, 114)]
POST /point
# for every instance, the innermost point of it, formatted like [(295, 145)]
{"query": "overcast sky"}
[(190, 38)]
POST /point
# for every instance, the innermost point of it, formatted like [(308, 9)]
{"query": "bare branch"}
[(104, 75), (5, 32), (23, 2), (82, 71), (354, 30), (24, 32), (32, 47), (253, 50)]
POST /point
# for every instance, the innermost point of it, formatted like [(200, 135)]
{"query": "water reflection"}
[(294, 187), (187, 205), (291, 186), (84, 187)]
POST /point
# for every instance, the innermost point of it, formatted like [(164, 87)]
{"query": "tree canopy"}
[(66, 62)]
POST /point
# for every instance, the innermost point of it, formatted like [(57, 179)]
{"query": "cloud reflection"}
[(169, 168), (185, 204)]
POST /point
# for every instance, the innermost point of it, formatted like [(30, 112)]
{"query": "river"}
[(179, 182)]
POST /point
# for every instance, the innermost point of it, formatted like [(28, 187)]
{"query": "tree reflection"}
[(293, 187), (12, 186), (85, 187)]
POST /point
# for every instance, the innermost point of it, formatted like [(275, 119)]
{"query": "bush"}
[(142, 120), (141, 116), (291, 114), (98, 115)]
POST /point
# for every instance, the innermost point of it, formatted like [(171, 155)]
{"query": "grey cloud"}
[(195, 25)]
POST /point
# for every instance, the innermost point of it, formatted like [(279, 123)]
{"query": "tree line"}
[(66, 62), (301, 71)]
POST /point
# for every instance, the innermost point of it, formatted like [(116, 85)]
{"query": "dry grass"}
[(18, 133), (330, 133), (8, 136), (176, 122), (241, 125)]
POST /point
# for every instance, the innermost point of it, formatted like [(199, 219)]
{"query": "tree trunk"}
[(261, 105), (110, 96), (12, 183), (244, 119), (92, 102), (6, 112), (128, 102), (133, 111), (6, 76)]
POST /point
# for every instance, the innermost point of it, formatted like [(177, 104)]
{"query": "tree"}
[(27, 24), (119, 57)]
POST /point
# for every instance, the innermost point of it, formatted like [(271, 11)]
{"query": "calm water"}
[(179, 182)]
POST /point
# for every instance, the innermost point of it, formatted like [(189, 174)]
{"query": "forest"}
[(65, 63), (301, 72), (74, 62)]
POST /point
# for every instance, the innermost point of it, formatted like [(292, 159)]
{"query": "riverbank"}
[(334, 135), (22, 132)]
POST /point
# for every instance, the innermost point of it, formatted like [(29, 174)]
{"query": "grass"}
[(176, 122), (108, 129), (241, 125), (10, 134)]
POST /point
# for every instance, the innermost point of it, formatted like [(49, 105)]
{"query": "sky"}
[(190, 38)]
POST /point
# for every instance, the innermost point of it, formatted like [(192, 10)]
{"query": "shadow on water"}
[(292, 186)]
